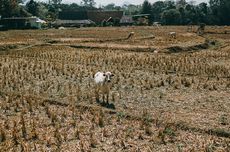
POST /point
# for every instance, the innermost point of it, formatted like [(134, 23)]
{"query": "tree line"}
[(180, 12), (168, 12), (44, 10)]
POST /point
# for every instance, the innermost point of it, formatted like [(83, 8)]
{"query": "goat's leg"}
[(103, 98), (107, 98), (98, 97), (97, 94)]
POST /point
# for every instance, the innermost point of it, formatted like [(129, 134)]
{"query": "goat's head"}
[(108, 76)]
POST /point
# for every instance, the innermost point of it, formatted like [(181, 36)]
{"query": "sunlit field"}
[(168, 94)]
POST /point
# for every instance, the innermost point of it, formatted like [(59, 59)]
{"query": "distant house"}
[(72, 15), (2, 27), (87, 18), (141, 19), (99, 16), (73, 23), (73, 19), (69, 18), (22, 22), (127, 20), (37, 22)]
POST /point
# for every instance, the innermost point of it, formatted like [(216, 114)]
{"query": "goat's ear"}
[(112, 75)]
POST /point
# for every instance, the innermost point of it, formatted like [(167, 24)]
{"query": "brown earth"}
[(167, 94)]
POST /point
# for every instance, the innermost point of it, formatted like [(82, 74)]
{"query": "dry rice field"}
[(167, 94)]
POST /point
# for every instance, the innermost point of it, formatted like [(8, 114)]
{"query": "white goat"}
[(172, 34), (102, 81)]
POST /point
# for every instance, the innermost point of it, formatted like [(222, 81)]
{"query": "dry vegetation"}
[(173, 100)]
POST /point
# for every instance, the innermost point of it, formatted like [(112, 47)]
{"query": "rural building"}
[(73, 23), (22, 23), (87, 18), (141, 19), (110, 16), (73, 19), (36, 22), (126, 20)]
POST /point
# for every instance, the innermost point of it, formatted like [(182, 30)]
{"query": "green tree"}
[(169, 4), (73, 6), (9, 8), (183, 16), (202, 13), (157, 9), (191, 15), (33, 7), (131, 9), (147, 9), (181, 3), (220, 11), (56, 2), (88, 3), (43, 10), (171, 17), (53, 9), (110, 6)]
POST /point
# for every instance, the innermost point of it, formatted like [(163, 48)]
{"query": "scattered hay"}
[(8, 47), (179, 49)]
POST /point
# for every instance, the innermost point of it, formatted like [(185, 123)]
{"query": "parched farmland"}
[(167, 94)]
